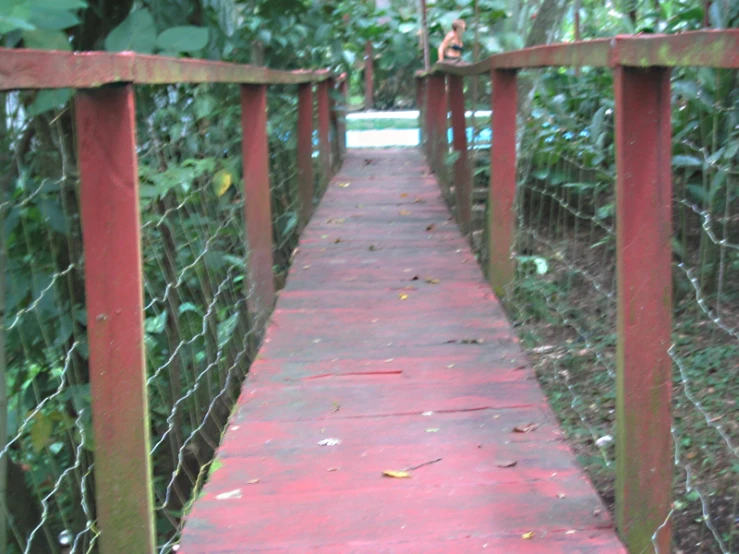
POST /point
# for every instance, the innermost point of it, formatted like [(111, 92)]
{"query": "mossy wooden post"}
[(324, 125), (115, 317), (257, 203), (420, 97), (644, 449), (305, 152), (502, 189), (437, 122), (462, 174)]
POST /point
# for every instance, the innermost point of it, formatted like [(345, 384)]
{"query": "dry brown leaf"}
[(404, 212), (430, 227), (525, 428), (372, 248), (396, 474), (507, 463), (529, 535), (433, 280), (337, 241), (404, 195)]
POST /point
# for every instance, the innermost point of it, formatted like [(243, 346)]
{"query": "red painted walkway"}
[(386, 351)]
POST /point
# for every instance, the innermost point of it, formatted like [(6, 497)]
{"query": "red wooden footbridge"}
[(390, 407)]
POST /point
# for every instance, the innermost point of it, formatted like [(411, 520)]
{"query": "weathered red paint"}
[(420, 97), (257, 202), (462, 174), (502, 190), (644, 447), (369, 76), (34, 69), (343, 110), (324, 143), (438, 123), (106, 146), (305, 152), (718, 48), (346, 358)]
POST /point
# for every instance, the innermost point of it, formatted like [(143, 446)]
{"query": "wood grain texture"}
[(386, 317)]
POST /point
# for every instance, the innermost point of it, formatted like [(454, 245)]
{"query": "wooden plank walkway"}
[(388, 348)]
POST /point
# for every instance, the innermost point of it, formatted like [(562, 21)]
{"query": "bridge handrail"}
[(107, 152), (641, 68), (41, 69), (716, 48)]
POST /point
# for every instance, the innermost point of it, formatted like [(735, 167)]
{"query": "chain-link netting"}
[(563, 299)]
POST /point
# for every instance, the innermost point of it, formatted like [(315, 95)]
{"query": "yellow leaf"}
[(529, 535), (404, 212), (222, 181), (404, 195), (344, 185), (403, 296), (433, 430), (396, 474), (40, 432)]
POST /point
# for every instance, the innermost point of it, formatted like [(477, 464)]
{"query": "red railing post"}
[(257, 203), (369, 76), (462, 175), (420, 97), (502, 189), (644, 449), (343, 111), (437, 122), (323, 132), (305, 152), (106, 145)]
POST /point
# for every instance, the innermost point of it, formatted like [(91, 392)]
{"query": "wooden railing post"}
[(323, 132), (644, 449), (343, 111), (502, 189), (106, 146), (257, 203), (437, 121), (462, 175), (305, 152), (420, 98), (369, 76)]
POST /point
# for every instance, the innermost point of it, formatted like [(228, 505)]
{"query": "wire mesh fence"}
[(563, 299), (199, 335)]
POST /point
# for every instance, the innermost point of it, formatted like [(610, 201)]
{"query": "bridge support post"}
[(462, 174), (342, 113), (369, 76), (644, 448), (323, 132), (106, 144), (436, 107), (257, 204), (420, 97), (502, 189), (305, 152)]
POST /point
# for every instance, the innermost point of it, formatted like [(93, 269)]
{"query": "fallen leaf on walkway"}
[(525, 428), (433, 280), (372, 248), (430, 227), (344, 185), (329, 442), (403, 296), (529, 535), (337, 241), (229, 495), (506, 463), (418, 201), (404, 195), (433, 430), (596, 512), (404, 212), (252, 482), (561, 495), (415, 278), (337, 406), (333, 469), (332, 220), (396, 474)]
